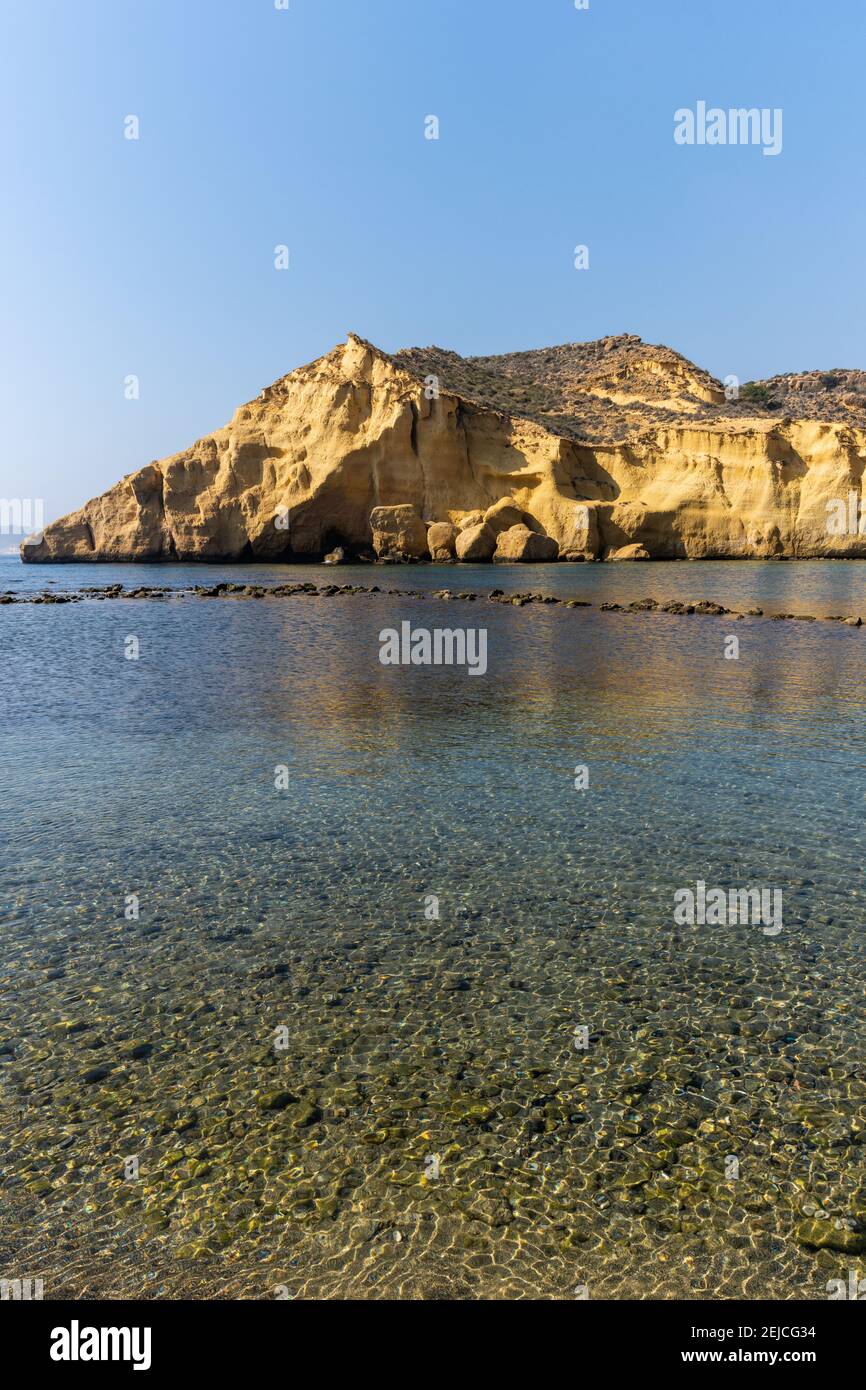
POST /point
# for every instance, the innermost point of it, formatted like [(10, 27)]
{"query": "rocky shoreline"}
[(674, 607)]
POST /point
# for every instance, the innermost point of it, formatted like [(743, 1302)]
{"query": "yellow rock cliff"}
[(299, 470)]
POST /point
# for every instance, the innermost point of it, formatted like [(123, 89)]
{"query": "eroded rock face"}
[(300, 471), (518, 543), (398, 533)]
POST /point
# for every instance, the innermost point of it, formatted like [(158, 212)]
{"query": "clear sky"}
[(306, 127)]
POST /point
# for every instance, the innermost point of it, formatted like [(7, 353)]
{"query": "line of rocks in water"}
[(703, 607)]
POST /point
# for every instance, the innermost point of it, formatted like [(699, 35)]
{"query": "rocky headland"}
[(613, 450)]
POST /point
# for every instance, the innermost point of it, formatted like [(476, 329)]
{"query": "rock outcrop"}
[(398, 533), (503, 515), (519, 544), (476, 543), (441, 538), (596, 448), (628, 552)]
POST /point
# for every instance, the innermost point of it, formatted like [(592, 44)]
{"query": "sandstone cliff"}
[(597, 447)]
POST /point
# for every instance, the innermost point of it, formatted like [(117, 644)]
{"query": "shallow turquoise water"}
[(410, 1036)]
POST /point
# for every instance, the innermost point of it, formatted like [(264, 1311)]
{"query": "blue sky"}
[(305, 127)]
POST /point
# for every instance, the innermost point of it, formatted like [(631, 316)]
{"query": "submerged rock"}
[(95, 1074), (275, 1100), (825, 1235), (304, 1114)]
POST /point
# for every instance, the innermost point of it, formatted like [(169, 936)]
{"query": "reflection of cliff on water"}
[(563, 674)]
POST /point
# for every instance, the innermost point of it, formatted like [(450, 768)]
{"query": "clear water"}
[(440, 1133)]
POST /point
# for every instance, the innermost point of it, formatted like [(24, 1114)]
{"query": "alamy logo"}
[(846, 518), (77, 1343), (443, 646), (22, 516), (855, 1288), (21, 1290), (716, 907), (736, 126)]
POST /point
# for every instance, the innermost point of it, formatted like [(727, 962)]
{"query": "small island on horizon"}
[(609, 450)]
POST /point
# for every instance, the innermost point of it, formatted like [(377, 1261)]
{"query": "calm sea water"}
[(335, 1051), (820, 587)]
